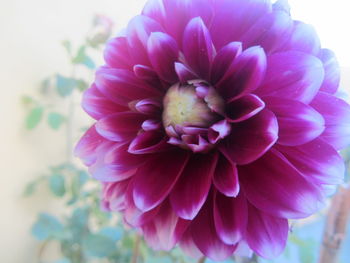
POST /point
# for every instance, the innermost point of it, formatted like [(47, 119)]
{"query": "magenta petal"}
[(303, 38), (117, 54), (184, 73), (205, 236), (230, 216), (250, 139), (150, 235), (219, 131), (226, 177), (163, 52), (224, 59), (298, 123), (120, 126), (155, 179), (155, 10), (332, 71), (245, 74), (264, 184), (97, 105), (87, 145), (121, 86), (138, 31), (197, 47), (294, 75), (113, 195), (243, 108), (188, 246), (149, 142), (187, 200), (266, 235), (145, 73), (151, 107), (336, 113), (151, 125), (317, 161)]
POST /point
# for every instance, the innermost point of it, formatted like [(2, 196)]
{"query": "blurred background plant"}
[(84, 232)]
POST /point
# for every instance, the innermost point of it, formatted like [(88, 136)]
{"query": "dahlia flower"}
[(216, 122)]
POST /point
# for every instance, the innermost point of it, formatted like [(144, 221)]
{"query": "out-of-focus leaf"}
[(82, 85), (63, 260), (47, 226), (29, 189), (67, 46), (27, 100), (34, 117), (65, 85), (44, 86), (55, 120), (83, 58), (57, 185), (163, 259), (98, 245), (113, 233)]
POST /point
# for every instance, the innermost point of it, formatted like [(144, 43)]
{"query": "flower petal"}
[(230, 216), (264, 184), (292, 74), (218, 131), (245, 73), (243, 108), (197, 47), (187, 200), (116, 53), (149, 142), (336, 113), (298, 123), (97, 105), (250, 139), (317, 161), (266, 235), (156, 178), (113, 195), (188, 246), (163, 52), (184, 73), (155, 10), (332, 71), (120, 126), (226, 177)]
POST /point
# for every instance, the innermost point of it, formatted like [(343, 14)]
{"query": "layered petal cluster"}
[(216, 122)]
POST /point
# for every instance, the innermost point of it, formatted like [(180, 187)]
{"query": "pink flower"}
[(216, 122)]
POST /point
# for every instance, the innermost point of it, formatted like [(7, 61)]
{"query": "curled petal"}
[(243, 108), (250, 139), (149, 142), (298, 123), (266, 234), (151, 125), (332, 71), (184, 73), (219, 131)]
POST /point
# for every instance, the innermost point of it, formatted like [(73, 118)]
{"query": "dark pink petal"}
[(120, 126), (229, 14), (184, 73), (87, 145), (186, 199), (298, 123), (226, 177), (116, 53), (155, 179), (150, 235), (243, 108), (155, 10), (121, 86), (188, 246), (317, 161), (151, 125), (219, 131), (138, 31), (336, 113), (250, 139), (265, 182), (205, 236), (332, 71), (230, 216), (270, 31), (292, 74), (113, 195), (149, 142), (97, 105), (303, 38), (145, 73), (266, 235), (163, 52), (151, 107), (224, 59), (245, 74), (197, 47)]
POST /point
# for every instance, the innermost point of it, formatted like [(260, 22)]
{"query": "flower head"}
[(216, 122)]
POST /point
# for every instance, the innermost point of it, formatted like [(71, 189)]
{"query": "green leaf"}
[(67, 46), (83, 58), (47, 226), (34, 117), (65, 85), (99, 246), (29, 189), (113, 233), (62, 260), (57, 185), (82, 85), (27, 100), (55, 120)]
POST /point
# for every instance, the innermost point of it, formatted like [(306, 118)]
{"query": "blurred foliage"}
[(84, 232)]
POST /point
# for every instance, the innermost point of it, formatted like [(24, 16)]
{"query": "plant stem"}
[(335, 228), (135, 252)]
